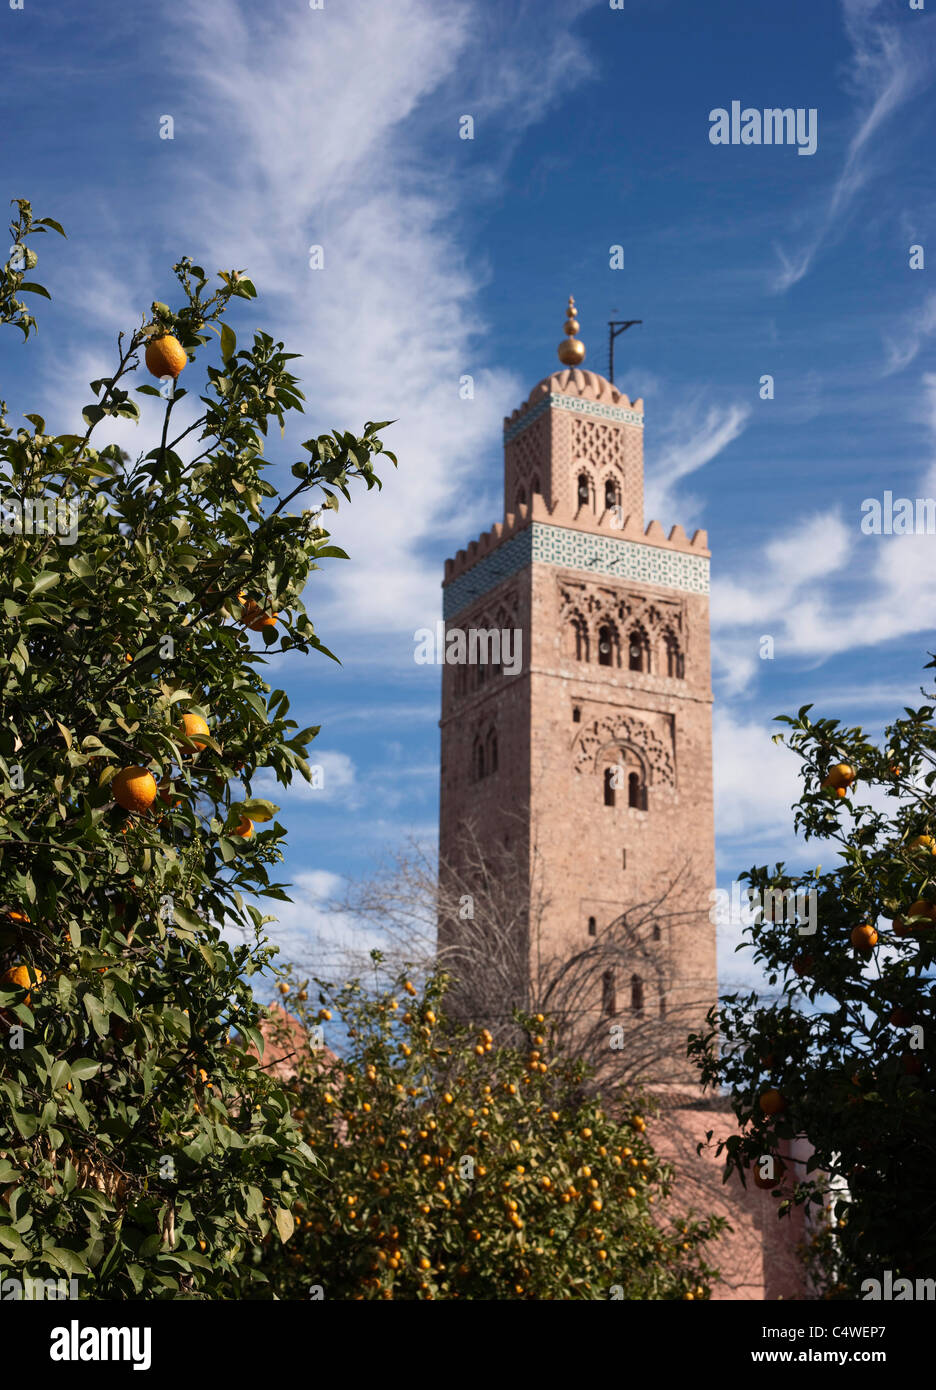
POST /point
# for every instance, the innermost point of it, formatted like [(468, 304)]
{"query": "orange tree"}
[(141, 1146), (452, 1167), (844, 1055)]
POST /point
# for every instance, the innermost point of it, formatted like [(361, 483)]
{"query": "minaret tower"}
[(591, 758)]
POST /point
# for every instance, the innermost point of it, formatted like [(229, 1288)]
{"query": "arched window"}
[(662, 1004), (491, 751), (535, 487), (580, 634), (576, 715), (656, 931), (584, 490), (606, 645), (637, 995), (636, 792), (609, 787), (592, 927), (675, 662), (477, 759), (521, 498), (611, 495), (608, 1000), (639, 651)]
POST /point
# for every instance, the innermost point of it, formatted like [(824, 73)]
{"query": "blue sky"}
[(339, 127)]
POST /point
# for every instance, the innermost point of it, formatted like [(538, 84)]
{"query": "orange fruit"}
[(841, 775), (15, 916), (802, 964), (921, 908), (22, 977), (765, 1183), (244, 829), (134, 789), (771, 1102), (165, 356), (923, 842), (864, 938), (193, 724), (253, 615)]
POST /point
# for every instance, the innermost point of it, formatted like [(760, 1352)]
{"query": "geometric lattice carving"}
[(628, 731), (599, 444)]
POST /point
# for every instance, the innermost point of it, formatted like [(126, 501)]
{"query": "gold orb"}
[(571, 326), (571, 352)]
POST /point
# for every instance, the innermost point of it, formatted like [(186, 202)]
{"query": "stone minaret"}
[(592, 763)]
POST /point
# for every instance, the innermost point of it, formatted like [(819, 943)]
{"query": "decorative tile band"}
[(577, 404), (543, 544), (500, 564)]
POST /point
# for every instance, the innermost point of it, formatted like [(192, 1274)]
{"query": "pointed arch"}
[(675, 658), (584, 489), (490, 751), (609, 643), (638, 649)]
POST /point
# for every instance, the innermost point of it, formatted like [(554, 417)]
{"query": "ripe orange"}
[(134, 789), (802, 964), (22, 977), (841, 775), (15, 916), (921, 908), (923, 842), (245, 829), (165, 356), (771, 1102), (193, 724), (253, 615), (761, 1180), (864, 938)]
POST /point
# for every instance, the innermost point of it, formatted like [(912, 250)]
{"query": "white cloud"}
[(887, 66), (916, 328), (694, 434), (756, 783), (296, 128), (337, 780)]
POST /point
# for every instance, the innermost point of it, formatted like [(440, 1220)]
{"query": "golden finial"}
[(571, 350)]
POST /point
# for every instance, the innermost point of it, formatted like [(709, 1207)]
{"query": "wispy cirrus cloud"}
[(694, 434), (888, 65), (916, 329)]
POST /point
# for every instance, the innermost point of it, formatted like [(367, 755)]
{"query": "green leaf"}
[(228, 342), (285, 1224), (187, 919), (46, 580), (60, 1074), (84, 1068)]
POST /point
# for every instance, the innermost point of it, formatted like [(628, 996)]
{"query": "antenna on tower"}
[(615, 328)]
